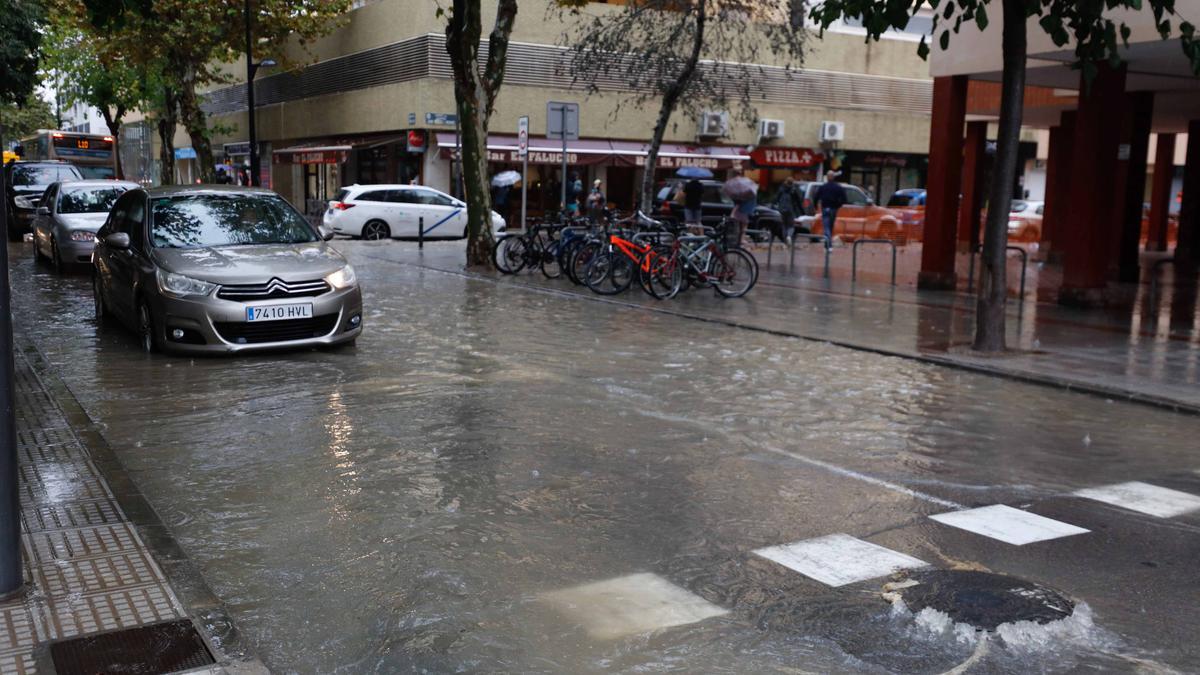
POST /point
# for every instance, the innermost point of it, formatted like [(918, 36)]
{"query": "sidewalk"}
[(1149, 354), (85, 528)]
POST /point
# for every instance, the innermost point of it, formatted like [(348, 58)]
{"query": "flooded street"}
[(447, 494)]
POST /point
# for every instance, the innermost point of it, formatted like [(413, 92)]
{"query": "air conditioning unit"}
[(768, 129), (713, 124), (832, 132)]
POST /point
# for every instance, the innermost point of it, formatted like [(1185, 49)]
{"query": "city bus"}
[(95, 155)]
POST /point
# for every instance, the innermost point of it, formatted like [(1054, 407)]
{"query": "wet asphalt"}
[(419, 501)]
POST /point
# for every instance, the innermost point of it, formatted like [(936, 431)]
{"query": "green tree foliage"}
[(475, 91), (1093, 28), (20, 45), (691, 55), (24, 119), (187, 41)]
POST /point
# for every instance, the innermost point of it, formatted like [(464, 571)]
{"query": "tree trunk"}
[(475, 97), (196, 123), (993, 288), (167, 120), (670, 100), (113, 122)]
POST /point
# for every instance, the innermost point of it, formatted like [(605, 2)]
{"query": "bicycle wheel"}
[(551, 267), (579, 262), (509, 254), (732, 273), (609, 273), (665, 278)]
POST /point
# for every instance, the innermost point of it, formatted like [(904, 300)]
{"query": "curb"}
[(207, 612)]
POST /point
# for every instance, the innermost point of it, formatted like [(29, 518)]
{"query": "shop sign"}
[(416, 141), (798, 158), (316, 157), (441, 119), (185, 153), (679, 162), (234, 149), (536, 157), (885, 160)]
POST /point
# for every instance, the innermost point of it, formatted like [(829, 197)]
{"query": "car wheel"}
[(376, 230), (56, 262), (145, 328), (98, 299), (37, 253)]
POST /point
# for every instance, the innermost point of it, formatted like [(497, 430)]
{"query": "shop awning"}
[(503, 148), (318, 154)]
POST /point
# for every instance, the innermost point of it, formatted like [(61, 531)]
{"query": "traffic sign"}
[(522, 137), (562, 120)]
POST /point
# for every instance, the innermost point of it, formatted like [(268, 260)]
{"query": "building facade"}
[(375, 103)]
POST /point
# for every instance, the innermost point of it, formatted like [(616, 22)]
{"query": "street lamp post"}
[(251, 71)]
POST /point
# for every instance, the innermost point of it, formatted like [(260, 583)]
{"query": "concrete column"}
[(973, 186), (1058, 173), (945, 182), (1131, 183), (1088, 213), (1160, 192), (1187, 248)]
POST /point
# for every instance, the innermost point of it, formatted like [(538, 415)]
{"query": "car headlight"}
[(83, 235), (179, 285), (25, 202), (343, 278)]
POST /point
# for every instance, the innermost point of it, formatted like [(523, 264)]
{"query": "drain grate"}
[(146, 650), (983, 599)]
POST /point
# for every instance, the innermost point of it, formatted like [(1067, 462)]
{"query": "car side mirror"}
[(43, 211), (326, 233), (118, 240)]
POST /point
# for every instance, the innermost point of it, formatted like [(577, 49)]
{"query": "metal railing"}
[(1024, 268), (854, 256)]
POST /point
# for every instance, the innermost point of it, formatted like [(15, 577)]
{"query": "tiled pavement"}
[(87, 569)]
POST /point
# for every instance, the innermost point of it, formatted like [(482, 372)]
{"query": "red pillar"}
[(1160, 192), (1058, 183), (945, 182), (1131, 187), (1088, 215), (1187, 248), (974, 156)]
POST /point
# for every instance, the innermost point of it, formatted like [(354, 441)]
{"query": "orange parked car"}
[(1025, 221), (860, 218)]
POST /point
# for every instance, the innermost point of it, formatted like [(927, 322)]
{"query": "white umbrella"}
[(506, 178)]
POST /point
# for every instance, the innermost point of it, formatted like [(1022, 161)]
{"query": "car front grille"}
[(275, 288), (250, 333)]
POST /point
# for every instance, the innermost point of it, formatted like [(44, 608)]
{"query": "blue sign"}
[(441, 119), (412, 119), (185, 153)]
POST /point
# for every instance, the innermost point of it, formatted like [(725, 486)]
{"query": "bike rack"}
[(1154, 274), (1024, 266), (812, 238), (854, 256)]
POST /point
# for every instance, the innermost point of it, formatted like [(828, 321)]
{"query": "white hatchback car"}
[(389, 211)]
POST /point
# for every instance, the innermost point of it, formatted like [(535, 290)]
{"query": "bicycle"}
[(619, 261), (704, 260), (536, 247)]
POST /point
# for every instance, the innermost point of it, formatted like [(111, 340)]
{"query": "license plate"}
[(300, 310)]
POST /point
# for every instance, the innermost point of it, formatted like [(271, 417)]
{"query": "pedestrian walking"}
[(574, 194), (693, 202), (500, 195), (743, 192), (595, 203), (788, 202), (830, 197)]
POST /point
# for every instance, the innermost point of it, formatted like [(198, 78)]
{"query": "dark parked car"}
[(26, 182), (668, 203)]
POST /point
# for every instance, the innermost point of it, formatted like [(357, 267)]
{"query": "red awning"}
[(503, 148)]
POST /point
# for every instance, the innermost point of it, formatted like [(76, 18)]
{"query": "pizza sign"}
[(799, 158)]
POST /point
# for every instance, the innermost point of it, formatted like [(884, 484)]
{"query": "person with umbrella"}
[(788, 201), (830, 197), (595, 203), (502, 184), (743, 192)]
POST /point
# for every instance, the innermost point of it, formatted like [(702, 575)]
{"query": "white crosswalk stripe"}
[(1007, 524), (1144, 498), (839, 559)]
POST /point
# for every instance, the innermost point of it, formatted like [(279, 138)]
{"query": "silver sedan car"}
[(218, 269), (64, 230)]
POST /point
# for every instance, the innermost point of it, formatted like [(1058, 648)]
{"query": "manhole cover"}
[(146, 650), (982, 599)]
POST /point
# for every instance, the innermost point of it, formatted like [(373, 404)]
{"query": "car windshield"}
[(89, 200), (192, 221), (25, 176), (98, 172), (903, 199)]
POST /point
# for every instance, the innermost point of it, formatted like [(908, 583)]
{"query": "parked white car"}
[(390, 211)]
